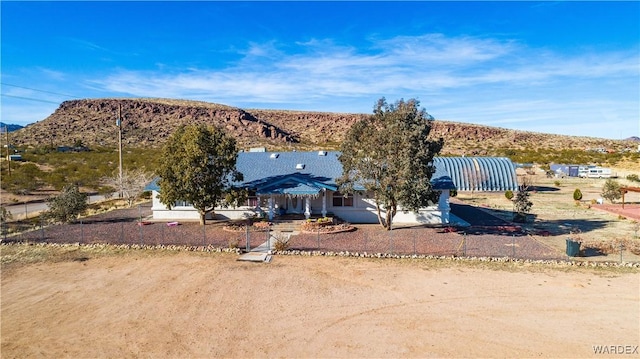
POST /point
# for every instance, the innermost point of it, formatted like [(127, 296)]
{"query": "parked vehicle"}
[(596, 172)]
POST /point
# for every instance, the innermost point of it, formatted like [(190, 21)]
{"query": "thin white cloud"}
[(52, 74), (465, 79), (421, 63)]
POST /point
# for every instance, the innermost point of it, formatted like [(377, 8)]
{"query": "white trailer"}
[(600, 172)]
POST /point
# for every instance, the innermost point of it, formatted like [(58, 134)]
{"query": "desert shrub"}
[(508, 194), (611, 190), (282, 242), (577, 194), (6, 215), (633, 178), (557, 183), (453, 192), (67, 206), (24, 178), (234, 243), (521, 202)]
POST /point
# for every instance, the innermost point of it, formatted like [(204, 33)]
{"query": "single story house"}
[(305, 183)]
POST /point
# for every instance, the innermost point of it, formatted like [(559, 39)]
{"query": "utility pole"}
[(6, 130), (119, 124)]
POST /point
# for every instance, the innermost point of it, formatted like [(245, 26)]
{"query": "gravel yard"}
[(554, 215), (121, 227)]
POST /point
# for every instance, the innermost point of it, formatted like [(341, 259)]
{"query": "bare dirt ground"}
[(143, 303)]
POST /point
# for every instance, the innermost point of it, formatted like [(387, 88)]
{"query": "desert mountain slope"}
[(148, 123)]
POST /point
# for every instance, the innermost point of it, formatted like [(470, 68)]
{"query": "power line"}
[(30, 99), (33, 89)]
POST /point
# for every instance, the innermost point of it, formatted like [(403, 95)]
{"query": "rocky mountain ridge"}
[(149, 122)]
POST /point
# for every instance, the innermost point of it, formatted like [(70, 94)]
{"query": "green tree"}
[(611, 190), (390, 156), (68, 205), (199, 167)]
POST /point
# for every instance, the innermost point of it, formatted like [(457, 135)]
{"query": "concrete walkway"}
[(262, 253)]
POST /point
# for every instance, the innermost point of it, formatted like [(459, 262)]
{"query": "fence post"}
[(415, 251), (464, 244), (365, 241), (268, 238), (391, 239), (247, 237), (204, 234)]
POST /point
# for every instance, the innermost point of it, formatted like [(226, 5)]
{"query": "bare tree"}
[(132, 184)]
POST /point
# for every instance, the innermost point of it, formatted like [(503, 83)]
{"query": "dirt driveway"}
[(157, 304)]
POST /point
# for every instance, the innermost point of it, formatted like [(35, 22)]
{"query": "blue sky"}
[(554, 67)]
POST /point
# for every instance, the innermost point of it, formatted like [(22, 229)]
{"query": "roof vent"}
[(300, 166), (274, 155), (322, 153)]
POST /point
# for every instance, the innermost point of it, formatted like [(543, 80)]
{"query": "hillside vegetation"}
[(149, 122)]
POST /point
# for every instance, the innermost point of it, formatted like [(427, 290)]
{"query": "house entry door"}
[(295, 205)]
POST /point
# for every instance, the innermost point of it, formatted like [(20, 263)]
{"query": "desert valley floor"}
[(184, 304)]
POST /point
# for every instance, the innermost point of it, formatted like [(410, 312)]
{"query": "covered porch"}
[(294, 194)]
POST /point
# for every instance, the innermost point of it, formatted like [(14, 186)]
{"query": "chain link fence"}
[(130, 226)]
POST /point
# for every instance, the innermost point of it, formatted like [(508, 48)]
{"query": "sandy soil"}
[(210, 305)]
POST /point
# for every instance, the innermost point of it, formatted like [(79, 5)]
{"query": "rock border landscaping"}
[(213, 249)]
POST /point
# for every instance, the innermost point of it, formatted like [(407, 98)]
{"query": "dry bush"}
[(282, 242), (613, 246)]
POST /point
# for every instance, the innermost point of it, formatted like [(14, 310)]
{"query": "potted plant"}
[(573, 243)]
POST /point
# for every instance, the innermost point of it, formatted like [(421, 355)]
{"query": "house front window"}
[(252, 199), (341, 200), (182, 204)]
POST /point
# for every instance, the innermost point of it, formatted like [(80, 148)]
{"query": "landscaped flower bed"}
[(242, 226), (326, 225)]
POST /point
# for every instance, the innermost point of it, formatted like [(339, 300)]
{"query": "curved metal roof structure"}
[(306, 173), (480, 173)]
